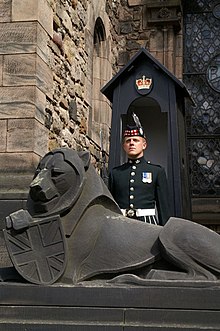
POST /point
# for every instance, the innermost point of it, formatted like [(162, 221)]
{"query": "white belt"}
[(139, 212)]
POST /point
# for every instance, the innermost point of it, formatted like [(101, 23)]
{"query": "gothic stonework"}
[(55, 55), (53, 69), (155, 25)]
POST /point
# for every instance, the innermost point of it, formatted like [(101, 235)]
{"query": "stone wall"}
[(154, 25), (26, 81), (55, 56), (71, 49), (47, 87)]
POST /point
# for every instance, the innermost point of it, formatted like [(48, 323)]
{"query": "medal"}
[(147, 177)]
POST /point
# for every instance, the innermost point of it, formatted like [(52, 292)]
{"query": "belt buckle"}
[(130, 212)]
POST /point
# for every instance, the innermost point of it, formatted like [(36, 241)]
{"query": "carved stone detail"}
[(163, 13)]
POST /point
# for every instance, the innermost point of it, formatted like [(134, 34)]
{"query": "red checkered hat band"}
[(134, 132)]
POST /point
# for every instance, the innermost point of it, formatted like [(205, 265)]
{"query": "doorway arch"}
[(155, 124)]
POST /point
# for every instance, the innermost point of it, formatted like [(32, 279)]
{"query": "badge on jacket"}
[(147, 177)]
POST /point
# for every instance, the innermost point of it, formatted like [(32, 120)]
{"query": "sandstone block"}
[(33, 10), (159, 56), (96, 86), (105, 117), (135, 2), (179, 67), (14, 185), (126, 27), (1, 64), (69, 49), (3, 133), (26, 135), (66, 21), (156, 41), (88, 92), (28, 37), (16, 173), (18, 37), (5, 11), (22, 102), (27, 69), (19, 162)]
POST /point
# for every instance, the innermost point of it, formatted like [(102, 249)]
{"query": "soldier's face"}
[(134, 146)]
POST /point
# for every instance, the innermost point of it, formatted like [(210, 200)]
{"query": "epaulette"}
[(153, 164), (119, 166)]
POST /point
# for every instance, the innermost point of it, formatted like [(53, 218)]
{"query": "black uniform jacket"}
[(138, 184)]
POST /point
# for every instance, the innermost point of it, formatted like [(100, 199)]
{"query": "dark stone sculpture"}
[(73, 231)]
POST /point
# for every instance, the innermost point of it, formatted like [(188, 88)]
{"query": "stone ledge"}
[(167, 305)]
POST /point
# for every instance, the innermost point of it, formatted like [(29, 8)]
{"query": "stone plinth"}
[(169, 305)]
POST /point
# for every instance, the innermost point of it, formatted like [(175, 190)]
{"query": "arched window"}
[(100, 118), (99, 35)]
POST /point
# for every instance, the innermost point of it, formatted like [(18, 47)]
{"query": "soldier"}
[(139, 187)]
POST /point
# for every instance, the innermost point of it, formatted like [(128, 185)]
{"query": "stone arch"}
[(155, 124), (99, 38), (98, 41)]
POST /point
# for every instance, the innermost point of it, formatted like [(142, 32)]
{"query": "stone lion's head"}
[(57, 182)]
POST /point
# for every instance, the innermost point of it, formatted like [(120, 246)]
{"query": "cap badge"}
[(147, 177)]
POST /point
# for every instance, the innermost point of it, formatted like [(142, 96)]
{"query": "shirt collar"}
[(136, 161)]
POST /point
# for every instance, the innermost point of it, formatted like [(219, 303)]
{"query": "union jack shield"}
[(39, 252)]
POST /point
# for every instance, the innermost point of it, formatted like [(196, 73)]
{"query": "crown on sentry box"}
[(143, 83)]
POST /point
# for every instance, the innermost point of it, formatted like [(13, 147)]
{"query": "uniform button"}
[(131, 180), (137, 161), (132, 173), (134, 167), (131, 189), (131, 205), (131, 197)]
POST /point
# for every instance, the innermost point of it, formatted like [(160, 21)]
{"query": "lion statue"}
[(73, 231)]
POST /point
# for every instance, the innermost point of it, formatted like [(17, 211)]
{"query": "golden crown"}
[(143, 83)]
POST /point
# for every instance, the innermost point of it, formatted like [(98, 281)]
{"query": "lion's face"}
[(55, 186)]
